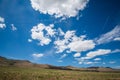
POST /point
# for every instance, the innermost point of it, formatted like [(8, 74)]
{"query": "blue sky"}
[(80, 33)]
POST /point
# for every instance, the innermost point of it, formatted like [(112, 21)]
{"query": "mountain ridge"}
[(25, 63)]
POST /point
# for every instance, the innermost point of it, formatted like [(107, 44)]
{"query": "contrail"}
[(105, 24)]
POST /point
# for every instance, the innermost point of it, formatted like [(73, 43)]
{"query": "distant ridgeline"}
[(25, 63)]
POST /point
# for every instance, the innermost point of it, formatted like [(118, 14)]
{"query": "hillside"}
[(25, 63)]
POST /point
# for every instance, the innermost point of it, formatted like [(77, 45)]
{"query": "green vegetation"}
[(17, 73)]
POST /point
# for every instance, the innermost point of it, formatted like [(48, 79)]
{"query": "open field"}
[(15, 73)]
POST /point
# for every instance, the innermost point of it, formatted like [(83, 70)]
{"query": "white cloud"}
[(2, 24), (97, 59), (29, 40), (116, 51), (99, 52), (64, 41), (63, 56), (88, 62), (43, 33), (109, 36), (50, 30), (73, 43), (60, 45), (93, 54), (117, 39), (61, 33), (37, 55), (77, 55), (69, 42), (80, 62), (81, 45), (13, 27), (59, 8), (69, 34), (2, 20)]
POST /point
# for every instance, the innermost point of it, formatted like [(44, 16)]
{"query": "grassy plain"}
[(16, 73)]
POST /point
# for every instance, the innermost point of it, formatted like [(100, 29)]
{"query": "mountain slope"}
[(25, 63)]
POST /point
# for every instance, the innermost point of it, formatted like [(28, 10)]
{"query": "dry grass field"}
[(17, 73)]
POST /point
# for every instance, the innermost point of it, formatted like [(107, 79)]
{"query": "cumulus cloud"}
[(59, 8), (77, 55), (63, 41), (73, 43), (61, 44), (109, 36), (13, 27), (43, 33), (69, 34), (81, 45), (2, 24), (37, 55), (69, 42)]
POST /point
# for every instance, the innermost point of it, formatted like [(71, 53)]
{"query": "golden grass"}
[(15, 73)]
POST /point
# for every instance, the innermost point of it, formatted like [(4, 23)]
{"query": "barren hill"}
[(25, 63)]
